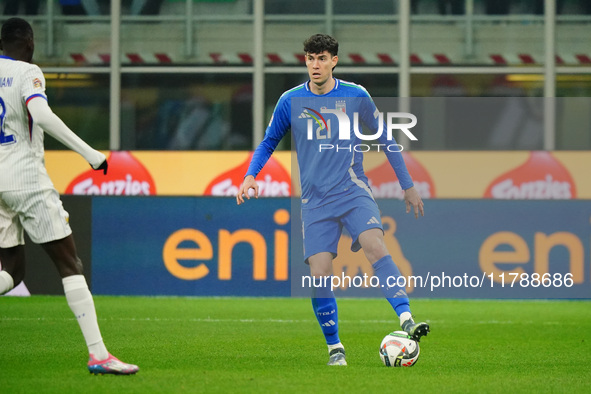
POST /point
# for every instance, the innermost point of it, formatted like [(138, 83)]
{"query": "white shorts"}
[(38, 212)]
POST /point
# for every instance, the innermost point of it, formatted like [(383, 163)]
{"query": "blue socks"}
[(325, 308), (385, 268), (325, 304)]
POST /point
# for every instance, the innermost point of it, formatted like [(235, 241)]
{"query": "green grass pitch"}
[(192, 345)]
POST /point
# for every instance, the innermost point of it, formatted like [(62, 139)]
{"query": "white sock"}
[(6, 282), (404, 316), (81, 303), (335, 346)]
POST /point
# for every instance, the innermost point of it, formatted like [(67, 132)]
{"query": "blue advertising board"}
[(461, 249), (474, 249), (189, 246)]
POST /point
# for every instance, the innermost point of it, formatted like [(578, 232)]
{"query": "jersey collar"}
[(336, 86)]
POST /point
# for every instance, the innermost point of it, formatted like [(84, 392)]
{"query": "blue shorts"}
[(322, 226)]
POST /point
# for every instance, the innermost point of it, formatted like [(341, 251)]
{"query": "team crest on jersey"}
[(37, 84), (341, 105)]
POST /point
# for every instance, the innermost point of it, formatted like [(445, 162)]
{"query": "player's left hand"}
[(104, 166), (412, 198)]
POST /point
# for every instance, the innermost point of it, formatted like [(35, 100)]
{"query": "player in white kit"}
[(28, 199)]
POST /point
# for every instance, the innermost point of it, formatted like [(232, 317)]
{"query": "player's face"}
[(320, 66)]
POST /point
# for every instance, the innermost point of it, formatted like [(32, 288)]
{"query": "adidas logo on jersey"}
[(373, 220)]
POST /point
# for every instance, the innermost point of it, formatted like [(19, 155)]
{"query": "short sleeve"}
[(33, 84)]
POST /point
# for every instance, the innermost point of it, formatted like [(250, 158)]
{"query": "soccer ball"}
[(398, 349)]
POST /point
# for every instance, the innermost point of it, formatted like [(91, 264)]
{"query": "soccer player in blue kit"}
[(335, 190)]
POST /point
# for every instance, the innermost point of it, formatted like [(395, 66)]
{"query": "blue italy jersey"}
[(329, 151)]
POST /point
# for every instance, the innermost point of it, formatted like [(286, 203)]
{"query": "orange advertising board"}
[(451, 174), (170, 173), (541, 177), (274, 180)]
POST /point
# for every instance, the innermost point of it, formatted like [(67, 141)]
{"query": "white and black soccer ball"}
[(398, 349)]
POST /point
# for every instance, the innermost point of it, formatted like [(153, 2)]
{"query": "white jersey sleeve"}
[(42, 115), (33, 83), (24, 115)]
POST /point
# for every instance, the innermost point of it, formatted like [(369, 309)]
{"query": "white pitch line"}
[(279, 321)]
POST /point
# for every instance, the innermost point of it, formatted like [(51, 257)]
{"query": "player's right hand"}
[(247, 184)]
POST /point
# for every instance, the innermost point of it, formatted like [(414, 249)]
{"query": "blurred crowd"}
[(505, 7), (443, 7), (84, 7)]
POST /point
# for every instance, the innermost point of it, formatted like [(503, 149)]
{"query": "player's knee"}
[(375, 252), (373, 245), (320, 271), (320, 265), (69, 268), (78, 268)]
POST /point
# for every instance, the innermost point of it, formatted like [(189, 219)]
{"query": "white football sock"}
[(6, 282), (81, 303), (404, 316), (335, 346)]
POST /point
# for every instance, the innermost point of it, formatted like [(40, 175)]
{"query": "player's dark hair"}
[(16, 30), (319, 43)]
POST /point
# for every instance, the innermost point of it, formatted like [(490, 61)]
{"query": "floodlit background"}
[(205, 75)]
